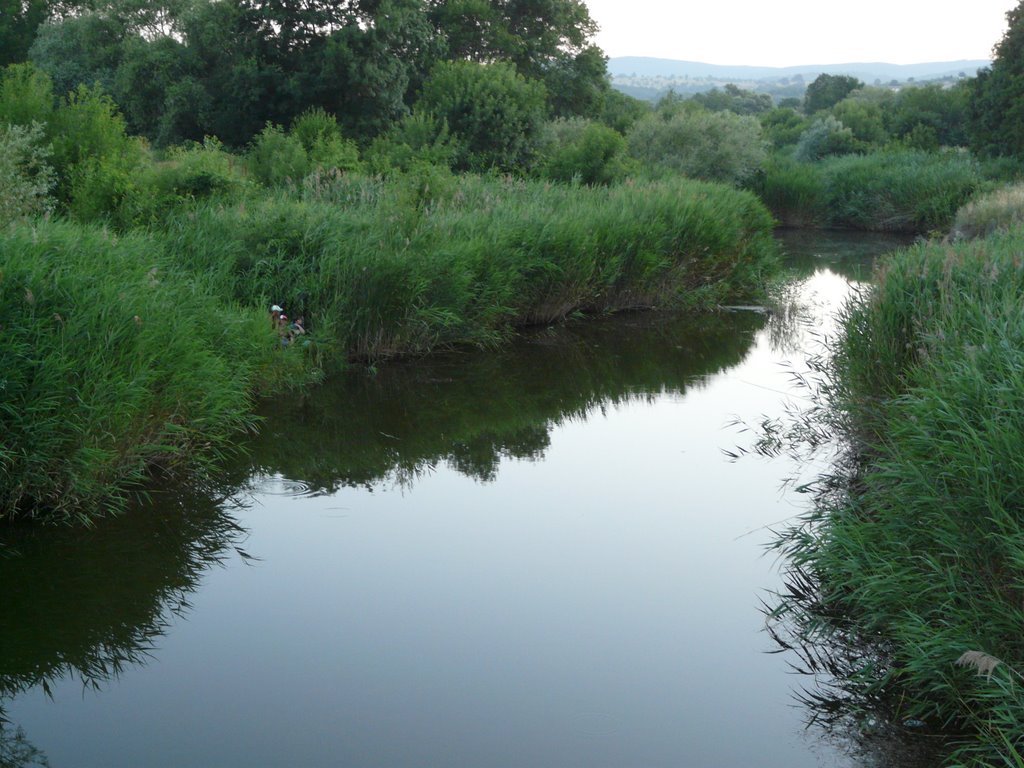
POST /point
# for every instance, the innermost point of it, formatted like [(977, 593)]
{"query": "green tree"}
[(494, 114), (19, 20), (996, 95), (734, 99), (865, 121), (942, 111), (714, 146), (828, 90)]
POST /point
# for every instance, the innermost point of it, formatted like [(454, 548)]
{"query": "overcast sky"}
[(788, 32)]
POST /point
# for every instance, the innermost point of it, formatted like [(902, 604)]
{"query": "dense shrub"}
[(826, 137), (410, 268), (277, 158), (581, 150), (25, 175), (911, 561), (996, 211), (712, 146)]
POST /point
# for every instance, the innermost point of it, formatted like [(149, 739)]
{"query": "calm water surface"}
[(539, 556)]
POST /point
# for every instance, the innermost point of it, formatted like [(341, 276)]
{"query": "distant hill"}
[(644, 66)]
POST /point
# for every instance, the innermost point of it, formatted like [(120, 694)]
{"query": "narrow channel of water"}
[(539, 556)]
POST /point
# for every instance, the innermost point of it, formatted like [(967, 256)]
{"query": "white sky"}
[(789, 32)]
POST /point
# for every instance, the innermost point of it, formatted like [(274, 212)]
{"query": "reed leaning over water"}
[(124, 351), (914, 555)]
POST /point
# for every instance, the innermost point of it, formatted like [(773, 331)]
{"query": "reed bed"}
[(379, 271), (124, 352), (916, 554), (892, 191), (112, 361)]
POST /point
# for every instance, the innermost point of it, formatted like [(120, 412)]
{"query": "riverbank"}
[(907, 571), (144, 349)]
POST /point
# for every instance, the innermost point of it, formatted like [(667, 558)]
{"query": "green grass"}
[(917, 551), (382, 270), (891, 191), (111, 361)]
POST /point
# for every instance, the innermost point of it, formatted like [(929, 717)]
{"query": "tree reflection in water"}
[(90, 603)]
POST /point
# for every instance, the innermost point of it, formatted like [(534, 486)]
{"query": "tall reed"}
[(383, 273), (112, 360), (917, 555)]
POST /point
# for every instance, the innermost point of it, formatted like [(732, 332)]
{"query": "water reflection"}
[(469, 411), (89, 604), (838, 665)]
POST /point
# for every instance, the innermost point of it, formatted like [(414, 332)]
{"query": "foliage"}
[(942, 112), (79, 50), (321, 137), (714, 146), (417, 139), (865, 120), (783, 126), (583, 151), (826, 137), (620, 111), (277, 158), (897, 190), (734, 99), (25, 175), (112, 360), (19, 21), (494, 114), (389, 267), (26, 95), (828, 90), (995, 104)]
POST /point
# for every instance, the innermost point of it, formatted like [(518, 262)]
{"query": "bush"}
[(276, 158), (26, 95), (894, 191), (996, 211), (321, 138), (418, 139), (712, 146), (581, 150), (826, 137), (25, 175)]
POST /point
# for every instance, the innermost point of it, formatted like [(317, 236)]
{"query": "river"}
[(535, 556)]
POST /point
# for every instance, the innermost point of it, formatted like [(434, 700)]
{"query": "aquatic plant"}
[(910, 560)]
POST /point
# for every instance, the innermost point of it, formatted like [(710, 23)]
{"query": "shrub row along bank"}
[(118, 353), (892, 191), (406, 267), (922, 560)]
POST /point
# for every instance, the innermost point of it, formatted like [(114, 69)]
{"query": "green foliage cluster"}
[(916, 562), (986, 214), (897, 190), (112, 360), (184, 70), (681, 138), (583, 151), (996, 107), (26, 177)]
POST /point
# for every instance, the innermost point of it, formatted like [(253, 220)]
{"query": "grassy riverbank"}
[(147, 348), (896, 190), (918, 559)]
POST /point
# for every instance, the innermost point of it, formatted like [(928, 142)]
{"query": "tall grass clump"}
[(918, 558), (112, 361), (1000, 210), (384, 268), (897, 190)]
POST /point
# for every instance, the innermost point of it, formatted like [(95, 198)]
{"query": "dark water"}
[(539, 556)]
